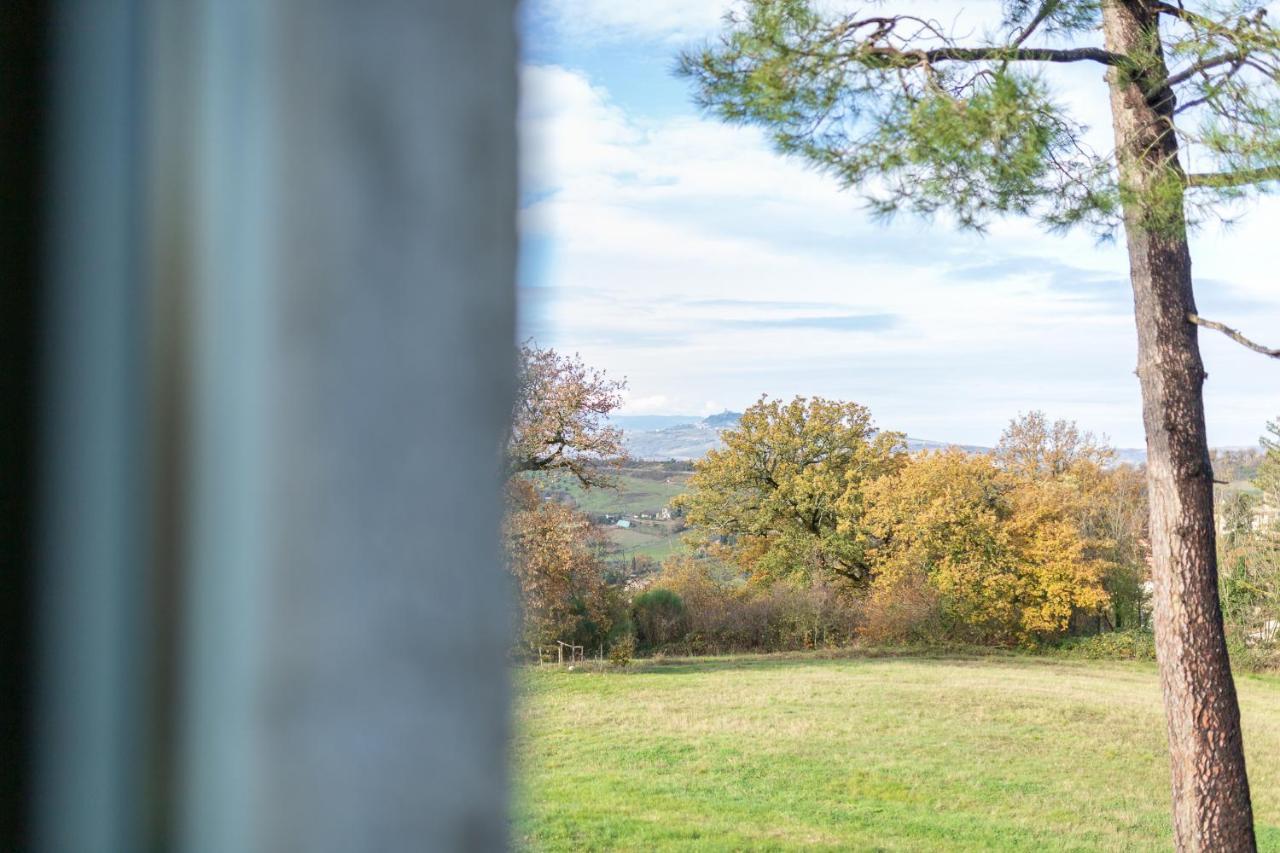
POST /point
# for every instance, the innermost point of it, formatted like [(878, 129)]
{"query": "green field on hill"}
[(641, 489), (656, 541), (860, 753)]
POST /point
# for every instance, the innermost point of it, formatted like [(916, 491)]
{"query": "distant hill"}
[(725, 419), (648, 423), (691, 437), (689, 440)]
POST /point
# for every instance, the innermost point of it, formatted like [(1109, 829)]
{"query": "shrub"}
[(1134, 644), (906, 611), (659, 616), (725, 614), (1247, 654), (622, 650), (1251, 653)]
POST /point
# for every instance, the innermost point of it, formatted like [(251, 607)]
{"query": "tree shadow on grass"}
[(957, 655)]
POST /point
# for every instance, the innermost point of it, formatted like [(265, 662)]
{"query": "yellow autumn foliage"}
[(1007, 553), (784, 496)]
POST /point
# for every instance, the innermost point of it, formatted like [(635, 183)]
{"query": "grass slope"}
[(649, 540), (642, 488), (635, 494), (1001, 753)]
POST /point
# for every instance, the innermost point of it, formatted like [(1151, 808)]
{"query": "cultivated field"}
[(906, 753), (641, 488)]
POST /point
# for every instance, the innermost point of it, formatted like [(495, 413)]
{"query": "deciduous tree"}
[(1117, 516), (785, 492), (1108, 501), (552, 549), (917, 116), (1008, 556), (1033, 448), (560, 420)]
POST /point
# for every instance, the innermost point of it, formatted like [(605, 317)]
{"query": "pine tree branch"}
[(999, 54), (1241, 178), (1195, 20), (1203, 65), (1234, 335), (1046, 9)]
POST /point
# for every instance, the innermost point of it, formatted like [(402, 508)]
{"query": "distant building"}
[(664, 514), (623, 522)]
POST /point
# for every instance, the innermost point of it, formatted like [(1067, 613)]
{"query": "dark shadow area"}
[(23, 25), (957, 655)]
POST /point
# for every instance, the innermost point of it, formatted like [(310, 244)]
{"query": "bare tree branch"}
[(1241, 178), (1234, 335)]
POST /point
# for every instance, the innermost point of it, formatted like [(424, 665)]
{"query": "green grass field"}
[(634, 494), (643, 488), (656, 541), (860, 753)]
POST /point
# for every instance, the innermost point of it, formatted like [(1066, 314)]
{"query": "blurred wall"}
[(281, 272)]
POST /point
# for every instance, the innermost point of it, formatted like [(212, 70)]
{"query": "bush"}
[(724, 614), (1134, 644), (621, 652), (908, 611), (1249, 653), (659, 616)]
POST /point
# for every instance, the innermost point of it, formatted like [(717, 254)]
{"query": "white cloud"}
[(616, 19), (676, 21), (633, 405), (693, 260)]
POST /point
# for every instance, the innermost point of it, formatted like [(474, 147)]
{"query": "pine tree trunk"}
[(1211, 807)]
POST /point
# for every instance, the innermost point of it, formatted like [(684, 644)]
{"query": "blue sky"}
[(687, 257)]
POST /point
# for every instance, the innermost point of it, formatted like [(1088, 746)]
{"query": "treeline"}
[(813, 528), (1043, 537), (1249, 559), (1235, 465)]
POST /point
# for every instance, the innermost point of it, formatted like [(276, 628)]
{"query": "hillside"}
[(630, 514)]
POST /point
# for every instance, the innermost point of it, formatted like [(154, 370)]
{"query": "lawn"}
[(863, 753)]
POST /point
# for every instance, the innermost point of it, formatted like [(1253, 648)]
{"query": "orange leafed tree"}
[(553, 552)]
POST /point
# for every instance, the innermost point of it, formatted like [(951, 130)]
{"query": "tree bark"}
[(1211, 806)]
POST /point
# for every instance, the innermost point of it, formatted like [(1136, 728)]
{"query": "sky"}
[(689, 258)]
